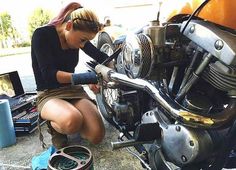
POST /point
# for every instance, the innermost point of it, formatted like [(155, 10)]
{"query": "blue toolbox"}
[(22, 104)]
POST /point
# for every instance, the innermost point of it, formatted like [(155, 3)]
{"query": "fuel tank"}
[(217, 11)]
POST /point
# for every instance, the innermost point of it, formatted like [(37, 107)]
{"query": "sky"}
[(20, 10)]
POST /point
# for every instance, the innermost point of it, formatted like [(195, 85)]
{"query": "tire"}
[(105, 43), (107, 95)]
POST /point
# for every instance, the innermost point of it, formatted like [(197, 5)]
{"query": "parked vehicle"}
[(172, 89)]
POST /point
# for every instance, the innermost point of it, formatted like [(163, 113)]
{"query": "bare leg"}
[(78, 116), (93, 127)]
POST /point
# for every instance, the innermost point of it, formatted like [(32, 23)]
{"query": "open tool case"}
[(23, 108)]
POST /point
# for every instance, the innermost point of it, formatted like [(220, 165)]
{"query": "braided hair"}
[(83, 19)]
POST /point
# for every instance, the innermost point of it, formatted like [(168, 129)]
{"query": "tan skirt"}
[(66, 92)]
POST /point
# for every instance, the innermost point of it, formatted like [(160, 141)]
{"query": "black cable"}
[(194, 13), (113, 56)]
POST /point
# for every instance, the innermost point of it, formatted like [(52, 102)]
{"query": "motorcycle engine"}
[(210, 51), (184, 145), (195, 66)]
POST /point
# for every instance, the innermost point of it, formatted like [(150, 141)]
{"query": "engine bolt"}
[(192, 29), (178, 128), (219, 44), (191, 143), (183, 158)]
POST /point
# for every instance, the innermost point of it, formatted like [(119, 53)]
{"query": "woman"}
[(61, 101)]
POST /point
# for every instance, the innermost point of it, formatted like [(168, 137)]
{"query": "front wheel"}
[(105, 43)]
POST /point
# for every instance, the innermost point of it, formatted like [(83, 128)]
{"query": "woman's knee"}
[(71, 122)]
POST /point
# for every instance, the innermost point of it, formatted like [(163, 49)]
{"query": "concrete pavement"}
[(19, 156)]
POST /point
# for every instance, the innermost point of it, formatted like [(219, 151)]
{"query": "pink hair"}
[(64, 12)]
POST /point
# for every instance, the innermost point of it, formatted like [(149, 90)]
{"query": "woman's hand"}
[(95, 88)]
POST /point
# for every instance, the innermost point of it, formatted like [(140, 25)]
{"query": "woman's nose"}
[(81, 45)]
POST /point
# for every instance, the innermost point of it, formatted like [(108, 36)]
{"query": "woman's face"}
[(76, 39)]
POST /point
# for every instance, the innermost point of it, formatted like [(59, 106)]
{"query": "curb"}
[(14, 51)]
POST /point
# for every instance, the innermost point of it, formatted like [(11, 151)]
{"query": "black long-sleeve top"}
[(48, 57)]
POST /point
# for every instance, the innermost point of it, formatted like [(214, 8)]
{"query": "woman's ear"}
[(69, 25)]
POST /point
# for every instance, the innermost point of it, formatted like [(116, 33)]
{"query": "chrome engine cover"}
[(222, 45), (184, 145), (137, 55), (218, 42)]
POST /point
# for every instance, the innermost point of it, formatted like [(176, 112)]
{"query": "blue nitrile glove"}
[(84, 78)]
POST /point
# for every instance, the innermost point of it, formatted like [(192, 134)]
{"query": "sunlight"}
[(117, 11)]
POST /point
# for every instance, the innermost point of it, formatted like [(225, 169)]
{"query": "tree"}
[(38, 18), (7, 31)]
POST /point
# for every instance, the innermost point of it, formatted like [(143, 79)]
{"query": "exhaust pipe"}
[(188, 118)]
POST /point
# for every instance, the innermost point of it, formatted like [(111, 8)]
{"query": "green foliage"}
[(5, 24), (7, 30), (23, 44), (38, 18)]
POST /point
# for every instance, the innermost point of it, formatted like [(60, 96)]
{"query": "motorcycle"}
[(171, 91)]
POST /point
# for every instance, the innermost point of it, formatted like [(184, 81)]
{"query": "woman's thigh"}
[(61, 112)]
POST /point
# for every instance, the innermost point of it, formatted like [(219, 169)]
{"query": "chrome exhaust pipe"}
[(186, 117)]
